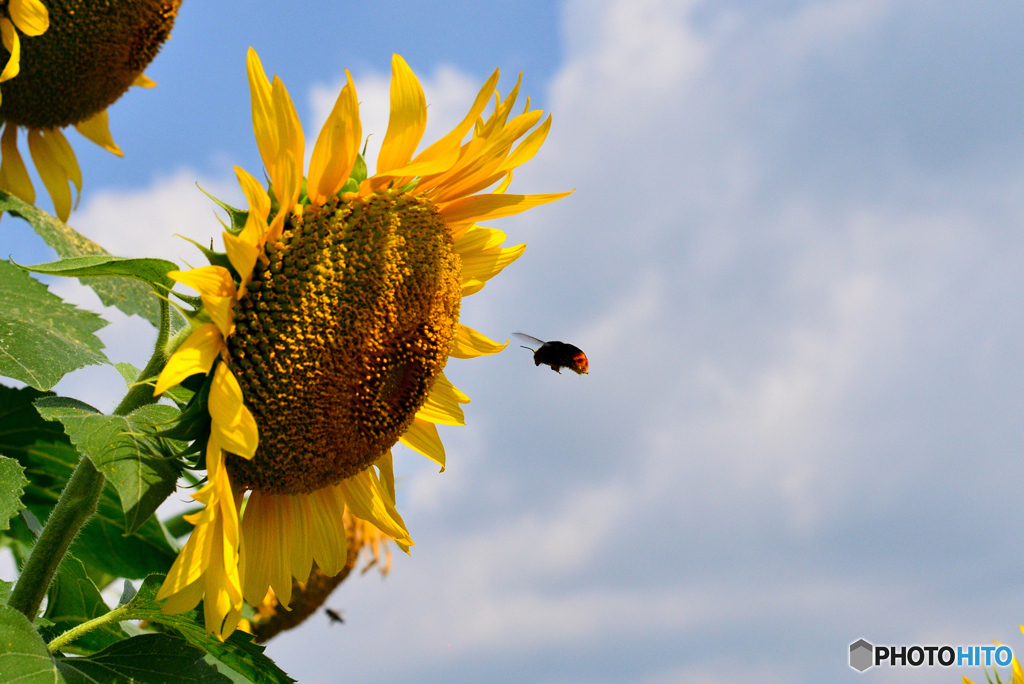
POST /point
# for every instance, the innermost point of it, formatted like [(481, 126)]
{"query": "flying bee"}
[(334, 616), (558, 355)]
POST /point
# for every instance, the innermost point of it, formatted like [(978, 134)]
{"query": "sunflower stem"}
[(77, 503), (141, 392), (115, 615)]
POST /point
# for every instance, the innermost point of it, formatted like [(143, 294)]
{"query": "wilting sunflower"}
[(324, 332), (84, 56)]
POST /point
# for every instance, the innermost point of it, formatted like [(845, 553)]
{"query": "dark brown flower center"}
[(88, 58), (340, 336)]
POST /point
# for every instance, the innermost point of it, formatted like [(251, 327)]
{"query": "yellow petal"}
[(491, 206), (442, 405), (500, 190), (286, 174), (13, 46), (328, 540), (216, 289), (288, 187), (97, 129), (452, 141), (232, 424), (14, 176), (195, 355), (478, 238), (56, 164), (364, 497), (241, 253), (30, 16), (470, 344), (263, 123), (385, 464), (485, 264), (144, 81), (1018, 676), (267, 528), (181, 600), (336, 147), (422, 437), (408, 118), (526, 149)]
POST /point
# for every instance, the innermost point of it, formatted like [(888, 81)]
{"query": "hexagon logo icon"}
[(861, 653)]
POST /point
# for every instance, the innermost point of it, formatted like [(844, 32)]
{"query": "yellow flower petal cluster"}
[(241, 552), (57, 88)]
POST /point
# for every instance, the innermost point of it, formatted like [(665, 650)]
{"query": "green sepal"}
[(152, 271), (238, 217), (193, 423), (359, 167), (351, 185), (215, 259)]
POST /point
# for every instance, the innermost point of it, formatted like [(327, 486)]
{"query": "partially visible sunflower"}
[(323, 332), (84, 56)]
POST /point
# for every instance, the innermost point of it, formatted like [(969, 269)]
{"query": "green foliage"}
[(74, 599), (12, 487), (46, 454), (237, 652), (24, 658), (123, 448), (152, 271), (41, 337), (130, 296), (149, 658)]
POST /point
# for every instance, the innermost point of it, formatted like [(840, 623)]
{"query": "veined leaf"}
[(149, 658), (152, 271), (123, 448), (24, 658), (43, 338), (74, 599), (130, 296), (237, 652)]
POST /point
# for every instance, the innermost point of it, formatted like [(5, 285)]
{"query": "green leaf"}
[(237, 652), (41, 337), (152, 271), (130, 296), (102, 544), (24, 658), (12, 487), (124, 449), (74, 599), (149, 658), (5, 591)]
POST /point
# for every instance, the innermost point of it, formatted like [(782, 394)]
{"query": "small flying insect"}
[(556, 354), (334, 616)]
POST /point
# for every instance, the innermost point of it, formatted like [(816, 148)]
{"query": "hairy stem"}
[(67, 637), (76, 505)]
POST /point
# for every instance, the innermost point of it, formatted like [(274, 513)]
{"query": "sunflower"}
[(323, 333), (84, 56)]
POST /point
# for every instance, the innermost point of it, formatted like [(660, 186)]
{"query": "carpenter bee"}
[(334, 616), (558, 355)]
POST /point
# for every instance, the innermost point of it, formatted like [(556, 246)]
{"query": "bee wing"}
[(529, 339)]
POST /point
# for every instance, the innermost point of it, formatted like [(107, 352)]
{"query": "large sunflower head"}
[(325, 327), (81, 57)]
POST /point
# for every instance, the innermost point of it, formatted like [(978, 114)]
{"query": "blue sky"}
[(793, 258)]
